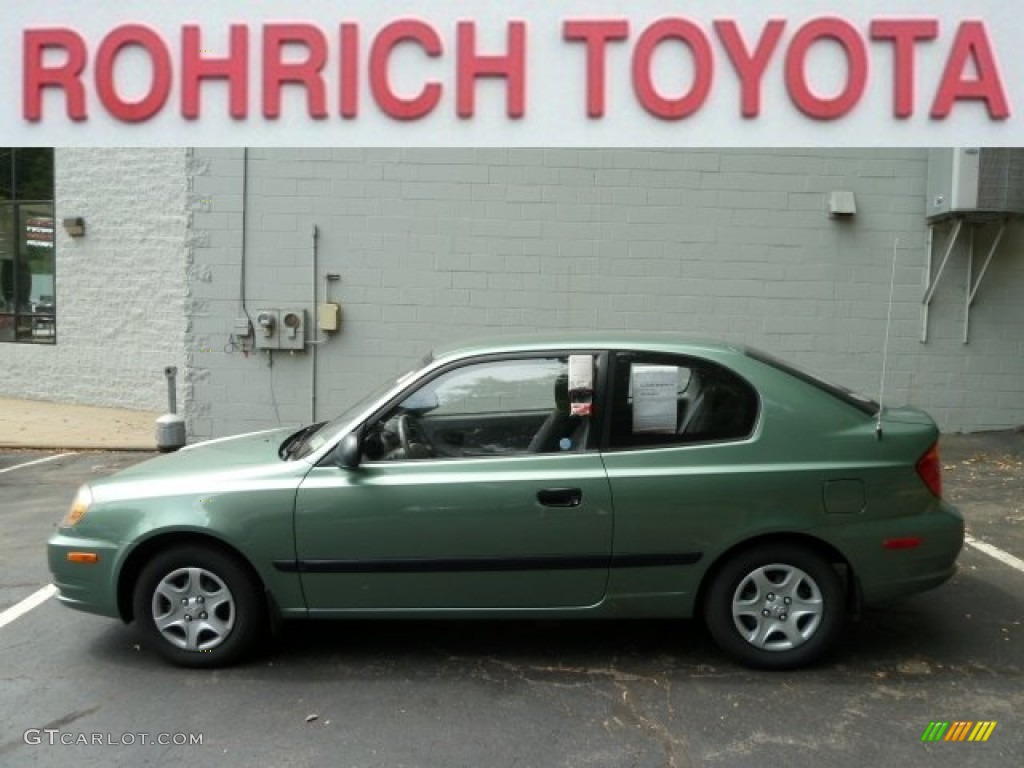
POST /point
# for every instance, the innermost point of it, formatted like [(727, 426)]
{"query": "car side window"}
[(492, 408), (663, 400)]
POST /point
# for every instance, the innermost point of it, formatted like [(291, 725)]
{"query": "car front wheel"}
[(775, 607), (199, 607)]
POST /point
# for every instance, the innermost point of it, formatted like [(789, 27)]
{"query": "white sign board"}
[(654, 398), (483, 72)]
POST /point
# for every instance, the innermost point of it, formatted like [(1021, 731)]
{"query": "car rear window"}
[(661, 400), (860, 402)]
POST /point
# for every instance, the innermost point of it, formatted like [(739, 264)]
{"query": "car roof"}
[(650, 341)]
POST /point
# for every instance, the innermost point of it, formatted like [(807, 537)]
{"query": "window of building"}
[(663, 400), (28, 307)]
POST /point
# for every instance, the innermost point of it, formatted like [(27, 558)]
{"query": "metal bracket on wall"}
[(972, 283)]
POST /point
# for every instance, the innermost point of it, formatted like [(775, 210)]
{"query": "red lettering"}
[(971, 45), (471, 65), (904, 34), (643, 78), (160, 87), (819, 107), (393, 105), (596, 35), (234, 68), (306, 72), (66, 76), (749, 66), (349, 97)]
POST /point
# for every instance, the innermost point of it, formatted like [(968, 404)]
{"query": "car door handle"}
[(560, 497)]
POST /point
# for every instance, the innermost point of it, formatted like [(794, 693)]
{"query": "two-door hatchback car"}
[(539, 477)]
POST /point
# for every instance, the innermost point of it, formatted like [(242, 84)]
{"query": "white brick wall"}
[(439, 244), (120, 289)]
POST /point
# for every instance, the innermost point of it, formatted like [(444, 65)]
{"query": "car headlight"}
[(81, 504)]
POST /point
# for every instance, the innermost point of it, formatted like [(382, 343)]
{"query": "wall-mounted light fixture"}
[(75, 227)]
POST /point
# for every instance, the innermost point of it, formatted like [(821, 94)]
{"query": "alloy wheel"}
[(777, 607), (193, 609)]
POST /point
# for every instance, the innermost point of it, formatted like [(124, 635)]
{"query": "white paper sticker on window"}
[(581, 384), (654, 398)]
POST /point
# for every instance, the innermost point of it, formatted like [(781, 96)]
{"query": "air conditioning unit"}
[(985, 182)]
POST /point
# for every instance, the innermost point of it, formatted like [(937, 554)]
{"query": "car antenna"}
[(885, 345)]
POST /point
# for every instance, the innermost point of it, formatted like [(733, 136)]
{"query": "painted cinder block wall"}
[(120, 289), (437, 245)]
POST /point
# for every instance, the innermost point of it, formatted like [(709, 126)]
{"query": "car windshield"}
[(332, 429)]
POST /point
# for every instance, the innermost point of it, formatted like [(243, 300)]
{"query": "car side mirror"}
[(420, 402), (349, 451)]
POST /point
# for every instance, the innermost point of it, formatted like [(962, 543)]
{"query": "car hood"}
[(223, 456)]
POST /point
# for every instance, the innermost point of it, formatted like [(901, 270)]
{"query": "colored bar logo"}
[(959, 730)]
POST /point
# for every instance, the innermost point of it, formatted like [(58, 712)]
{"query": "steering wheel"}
[(408, 430), (404, 433)]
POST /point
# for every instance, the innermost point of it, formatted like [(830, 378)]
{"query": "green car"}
[(539, 477)]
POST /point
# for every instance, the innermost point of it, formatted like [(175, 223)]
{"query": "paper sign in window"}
[(581, 385), (654, 398)]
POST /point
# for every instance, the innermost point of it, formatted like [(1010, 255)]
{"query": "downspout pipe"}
[(313, 324)]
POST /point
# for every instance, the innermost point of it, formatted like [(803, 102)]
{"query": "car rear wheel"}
[(199, 607), (775, 607)]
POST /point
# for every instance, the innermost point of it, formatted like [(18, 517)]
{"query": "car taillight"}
[(929, 467)]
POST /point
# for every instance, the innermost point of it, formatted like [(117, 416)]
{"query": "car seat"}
[(560, 424)]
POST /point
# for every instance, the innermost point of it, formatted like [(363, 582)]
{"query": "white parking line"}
[(1003, 557), (37, 461), (26, 605)]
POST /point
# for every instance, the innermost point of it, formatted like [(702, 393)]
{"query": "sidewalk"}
[(36, 424)]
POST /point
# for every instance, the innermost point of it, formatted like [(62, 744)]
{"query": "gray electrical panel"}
[(293, 329), (266, 327), (280, 329), (987, 182)]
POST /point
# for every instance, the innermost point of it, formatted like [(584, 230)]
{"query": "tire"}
[(225, 615), (749, 607)]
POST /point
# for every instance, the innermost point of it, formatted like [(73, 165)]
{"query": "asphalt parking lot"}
[(492, 694)]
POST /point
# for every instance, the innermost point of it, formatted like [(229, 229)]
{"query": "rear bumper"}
[(899, 573), (878, 591)]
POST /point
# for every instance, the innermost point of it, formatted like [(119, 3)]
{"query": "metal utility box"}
[(979, 182), (280, 329), (266, 329), (329, 317), (292, 331)]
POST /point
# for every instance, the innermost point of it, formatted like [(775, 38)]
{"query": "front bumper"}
[(89, 587)]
